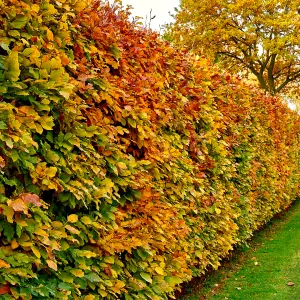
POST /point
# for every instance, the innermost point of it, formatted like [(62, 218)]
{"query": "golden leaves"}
[(227, 31), (4, 264), (72, 218), (77, 272), (37, 253)]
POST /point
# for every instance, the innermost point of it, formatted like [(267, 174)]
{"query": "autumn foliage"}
[(258, 36), (126, 167)]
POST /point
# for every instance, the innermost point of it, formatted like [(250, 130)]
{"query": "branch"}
[(282, 85), (229, 54), (270, 73)]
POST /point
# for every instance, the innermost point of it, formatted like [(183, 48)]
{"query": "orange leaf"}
[(52, 264), (2, 162), (4, 264), (17, 205)]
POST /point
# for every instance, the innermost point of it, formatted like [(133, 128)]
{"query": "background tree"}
[(261, 36)]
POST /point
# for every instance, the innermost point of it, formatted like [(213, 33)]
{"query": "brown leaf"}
[(31, 198)]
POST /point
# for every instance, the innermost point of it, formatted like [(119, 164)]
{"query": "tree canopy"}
[(260, 36)]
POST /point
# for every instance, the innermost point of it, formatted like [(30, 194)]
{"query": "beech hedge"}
[(126, 166)]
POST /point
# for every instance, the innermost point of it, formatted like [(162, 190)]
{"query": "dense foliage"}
[(260, 36), (126, 166)]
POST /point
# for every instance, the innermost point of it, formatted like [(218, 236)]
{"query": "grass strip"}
[(268, 269)]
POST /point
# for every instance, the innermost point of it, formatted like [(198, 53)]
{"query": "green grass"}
[(261, 272)]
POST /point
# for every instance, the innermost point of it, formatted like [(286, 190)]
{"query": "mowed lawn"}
[(269, 269)]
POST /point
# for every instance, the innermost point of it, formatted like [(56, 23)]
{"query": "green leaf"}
[(142, 253), (8, 230), (146, 277), (14, 33), (65, 286), (2, 125), (56, 74), (4, 43), (93, 277), (173, 280), (131, 122), (19, 22)]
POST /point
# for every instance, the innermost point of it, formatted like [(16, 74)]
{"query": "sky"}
[(160, 8)]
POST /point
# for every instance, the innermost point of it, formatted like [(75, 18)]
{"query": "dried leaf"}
[(31, 198)]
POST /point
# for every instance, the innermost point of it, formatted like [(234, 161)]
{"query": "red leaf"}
[(4, 289)]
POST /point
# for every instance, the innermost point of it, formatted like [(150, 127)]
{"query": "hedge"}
[(126, 166)]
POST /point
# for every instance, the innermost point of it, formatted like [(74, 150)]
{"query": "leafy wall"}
[(126, 166)]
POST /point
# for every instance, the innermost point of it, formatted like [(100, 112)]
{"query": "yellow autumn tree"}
[(260, 36)]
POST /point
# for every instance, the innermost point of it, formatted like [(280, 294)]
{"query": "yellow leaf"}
[(121, 165), (89, 297), (40, 231), (77, 272), (9, 213), (35, 7), (218, 210), (102, 293), (72, 218), (57, 224), (119, 284), (52, 264), (86, 220), (51, 171), (109, 260), (159, 271), (50, 36), (36, 251), (80, 5), (87, 254)]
